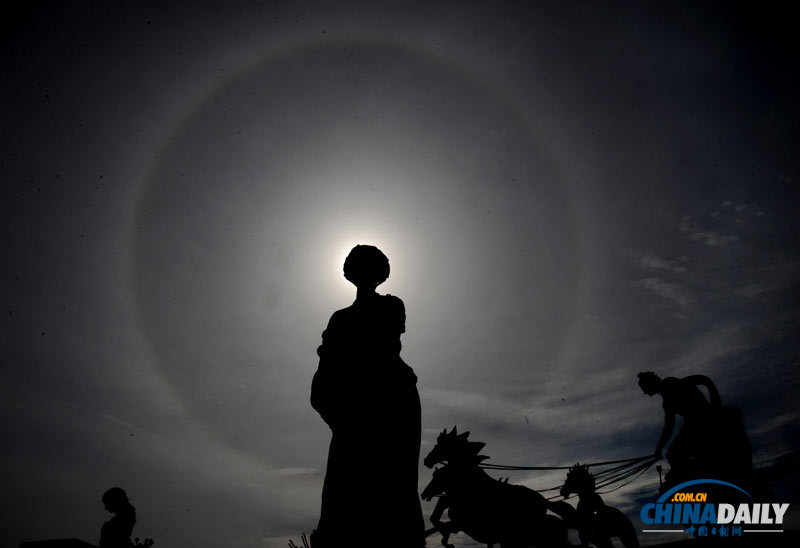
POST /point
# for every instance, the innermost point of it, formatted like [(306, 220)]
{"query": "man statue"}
[(693, 449)]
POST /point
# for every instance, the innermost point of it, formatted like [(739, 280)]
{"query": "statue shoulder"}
[(396, 312), (340, 316), (394, 302), (671, 383)]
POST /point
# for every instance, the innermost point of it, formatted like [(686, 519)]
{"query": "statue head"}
[(366, 265), (649, 382), (115, 499)]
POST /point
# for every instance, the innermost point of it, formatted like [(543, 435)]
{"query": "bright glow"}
[(343, 246)]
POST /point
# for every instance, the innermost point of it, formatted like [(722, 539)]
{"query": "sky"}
[(568, 194)]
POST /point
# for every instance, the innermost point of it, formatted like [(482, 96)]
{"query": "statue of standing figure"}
[(368, 396), (116, 532)]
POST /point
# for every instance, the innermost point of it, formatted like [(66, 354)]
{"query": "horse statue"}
[(596, 523), (488, 510)]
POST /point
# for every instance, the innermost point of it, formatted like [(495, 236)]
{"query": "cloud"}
[(753, 291), (468, 410), (712, 352), (652, 263), (769, 280), (735, 214), (668, 290), (649, 261), (709, 237), (776, 423), (119, 421), (295, 471)]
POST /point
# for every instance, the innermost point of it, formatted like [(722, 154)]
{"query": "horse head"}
[(579, 480), (454, 447), (437, 486)]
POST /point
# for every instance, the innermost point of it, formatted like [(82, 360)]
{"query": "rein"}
[(626, 469), (604, 463)]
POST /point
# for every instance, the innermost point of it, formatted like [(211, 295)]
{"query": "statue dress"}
[(367, 395), (116, 532)]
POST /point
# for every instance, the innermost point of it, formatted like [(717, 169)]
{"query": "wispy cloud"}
[(776, 423), (661, 267), (711, 238), (712, 351), (449, 407), (668, 290), (708, 237), (119, 421), (295, 471), (651, 262), (729, 214), (752, 291)]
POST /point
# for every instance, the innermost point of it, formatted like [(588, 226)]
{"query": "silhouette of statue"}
[(488, 510), (368, 397), (596, 523), (712, 439), (116, 532)]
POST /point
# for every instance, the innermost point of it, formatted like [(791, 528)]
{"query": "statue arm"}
[(702, 380), (666, 432), (323, 384), (320, 399), (397, 313)]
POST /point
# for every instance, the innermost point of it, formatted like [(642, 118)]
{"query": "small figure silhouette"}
[(367, 395), (712, 439), (596, 523), (116, 532)]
